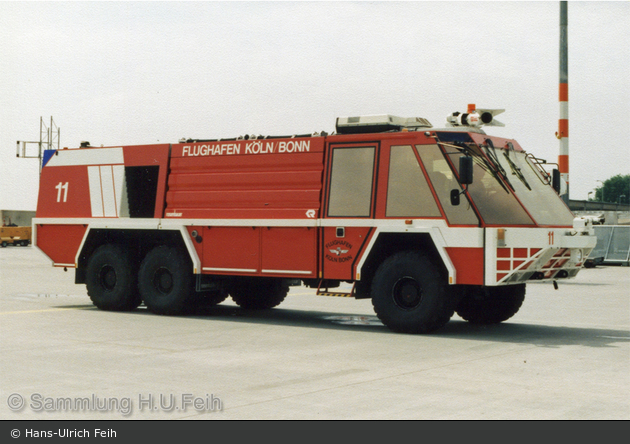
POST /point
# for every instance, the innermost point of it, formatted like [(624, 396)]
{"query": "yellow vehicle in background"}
[(18, 236)]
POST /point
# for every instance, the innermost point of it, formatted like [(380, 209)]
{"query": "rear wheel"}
[(111, 279), (491, 305), (211, 298), (410, 295), (258, 293), (166, 281)]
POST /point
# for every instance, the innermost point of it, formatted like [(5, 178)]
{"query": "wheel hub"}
[(107, 277), (407, 293), (163, 280)]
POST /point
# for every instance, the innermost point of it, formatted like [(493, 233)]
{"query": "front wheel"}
[(165, 281), (410, 294), (491, 305)]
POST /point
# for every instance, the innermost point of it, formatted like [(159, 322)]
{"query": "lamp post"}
[(603, 188)]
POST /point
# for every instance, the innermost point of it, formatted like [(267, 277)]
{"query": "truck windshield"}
[(507, 189), (532, 189), (503, 175), (494, 200)]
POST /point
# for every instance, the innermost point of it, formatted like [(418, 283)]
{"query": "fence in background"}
[(613, 244)]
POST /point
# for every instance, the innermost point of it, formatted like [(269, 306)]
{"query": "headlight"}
[(577, 255)]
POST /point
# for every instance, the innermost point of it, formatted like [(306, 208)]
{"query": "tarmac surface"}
[(565, 355)]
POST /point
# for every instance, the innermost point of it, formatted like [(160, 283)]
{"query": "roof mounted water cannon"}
[(475, 117)]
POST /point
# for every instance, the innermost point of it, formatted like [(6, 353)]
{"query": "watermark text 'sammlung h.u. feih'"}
[(185, 402)]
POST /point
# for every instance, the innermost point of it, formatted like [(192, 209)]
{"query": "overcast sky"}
[(139, 73)]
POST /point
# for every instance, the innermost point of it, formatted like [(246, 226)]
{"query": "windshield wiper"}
[(515, 169), (481, 160), (497, 169)]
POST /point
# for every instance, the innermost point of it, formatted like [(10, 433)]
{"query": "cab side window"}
[(351, 181), (408, 193)]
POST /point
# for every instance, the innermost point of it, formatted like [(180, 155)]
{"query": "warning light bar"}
[(379, 123)]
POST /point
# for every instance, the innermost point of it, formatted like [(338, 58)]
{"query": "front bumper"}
[(518, 255)]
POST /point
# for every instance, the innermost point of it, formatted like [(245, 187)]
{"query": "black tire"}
[(258, 293), (4, 244), (491, 305), (410, 294), (111, 279), (166, 281)]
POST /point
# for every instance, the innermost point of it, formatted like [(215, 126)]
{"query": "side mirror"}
[(455, 197), (555, 180), (465, 170)]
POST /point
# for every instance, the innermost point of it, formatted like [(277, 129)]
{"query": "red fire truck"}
[(426, 222)]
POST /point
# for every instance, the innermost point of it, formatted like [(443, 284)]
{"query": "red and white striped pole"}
[(563, 122)]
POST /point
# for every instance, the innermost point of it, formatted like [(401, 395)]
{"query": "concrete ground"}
[(565, 355)]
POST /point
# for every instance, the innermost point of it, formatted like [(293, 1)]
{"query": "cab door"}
[(352, 169)]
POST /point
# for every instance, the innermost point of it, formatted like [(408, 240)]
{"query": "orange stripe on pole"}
[(563, 128), (564, 92), (563, 163)]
